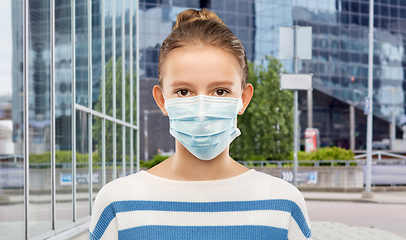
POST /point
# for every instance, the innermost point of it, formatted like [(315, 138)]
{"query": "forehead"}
[(201, 64)]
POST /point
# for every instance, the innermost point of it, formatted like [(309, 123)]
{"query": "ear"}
[(247, 94), (159, 98)]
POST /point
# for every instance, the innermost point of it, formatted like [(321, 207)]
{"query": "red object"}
[(311, 139)]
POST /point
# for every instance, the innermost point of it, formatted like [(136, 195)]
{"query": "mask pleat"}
[(204, 125)]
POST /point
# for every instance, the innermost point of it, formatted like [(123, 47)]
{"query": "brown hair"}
[(202, 28)]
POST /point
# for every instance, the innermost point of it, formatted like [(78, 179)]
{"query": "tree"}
[(97, 126), (267, 124)]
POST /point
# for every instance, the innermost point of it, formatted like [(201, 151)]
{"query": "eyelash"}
[(225, 90), (178, 92)]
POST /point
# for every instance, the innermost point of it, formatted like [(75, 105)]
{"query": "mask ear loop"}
[(242, 103), (165, 112)]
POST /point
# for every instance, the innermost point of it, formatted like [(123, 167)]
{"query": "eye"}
[(182, 93), (221, 92)]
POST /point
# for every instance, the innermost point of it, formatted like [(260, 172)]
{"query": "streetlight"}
[(368, 193)]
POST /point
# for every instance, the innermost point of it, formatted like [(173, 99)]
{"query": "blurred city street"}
[(348, 216), (340, 231)]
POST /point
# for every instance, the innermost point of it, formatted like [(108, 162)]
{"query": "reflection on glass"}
[(127, 150), (119, 55), (108, 53), (119, 95), (97, 152), (134, 57), (82, 164), (39, 120), (82, 65), (63, 114), (127, 20), (11, 122), (135, 149), (96, 54), (109, 151), (119, 150), (109, 88)]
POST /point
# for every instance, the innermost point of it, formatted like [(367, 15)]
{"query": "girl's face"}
[(201, 70)]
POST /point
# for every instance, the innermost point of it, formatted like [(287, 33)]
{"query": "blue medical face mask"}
[(204, 125)]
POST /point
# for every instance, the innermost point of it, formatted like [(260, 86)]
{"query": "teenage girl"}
[(201, 192)]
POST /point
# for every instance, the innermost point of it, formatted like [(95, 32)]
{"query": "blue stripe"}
[(91, 237), (203, 232), (237, 206), (107, 215)]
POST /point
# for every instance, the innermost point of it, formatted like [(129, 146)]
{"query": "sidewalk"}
[(378, 197), (338, 231)]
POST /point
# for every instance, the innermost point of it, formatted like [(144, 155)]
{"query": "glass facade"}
[(12, 130), (339, 64), (68, 71)]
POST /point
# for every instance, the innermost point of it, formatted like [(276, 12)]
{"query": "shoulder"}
[(286, 198), (271, 181), (104, 212), (275, 188), (120, 188)]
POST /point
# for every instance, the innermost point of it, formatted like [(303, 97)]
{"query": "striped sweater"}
[(252, 205)]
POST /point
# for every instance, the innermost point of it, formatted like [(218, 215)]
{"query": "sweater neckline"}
[(197, 182)]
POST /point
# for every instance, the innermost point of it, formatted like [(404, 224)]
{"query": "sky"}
[(6, 48)]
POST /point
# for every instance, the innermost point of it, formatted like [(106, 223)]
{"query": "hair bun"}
[(191, 15)]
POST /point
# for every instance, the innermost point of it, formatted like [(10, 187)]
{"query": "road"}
[(387, 174), (388, 217)]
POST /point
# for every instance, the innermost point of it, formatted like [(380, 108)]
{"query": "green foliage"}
[(157, 159), (326, 153), (267, 124), (43, 160), (256, 158), (97, 126), (40, 158), (66, 156)]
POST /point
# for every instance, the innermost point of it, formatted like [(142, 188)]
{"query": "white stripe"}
[(294, 230), (279, 219), (111, 232)]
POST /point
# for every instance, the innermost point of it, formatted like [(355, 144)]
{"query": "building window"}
[(78, 68)]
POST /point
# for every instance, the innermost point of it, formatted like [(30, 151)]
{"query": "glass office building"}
[(68, 110), (76, 78), (339, 63)]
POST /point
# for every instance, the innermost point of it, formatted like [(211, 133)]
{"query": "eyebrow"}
[(178, 83), (221, 82)]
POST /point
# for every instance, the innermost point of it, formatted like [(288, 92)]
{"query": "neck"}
[(185, 166)]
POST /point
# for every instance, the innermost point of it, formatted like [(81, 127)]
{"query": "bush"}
[(326, 153), (255, 158), (43, 160), (157, 159)]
